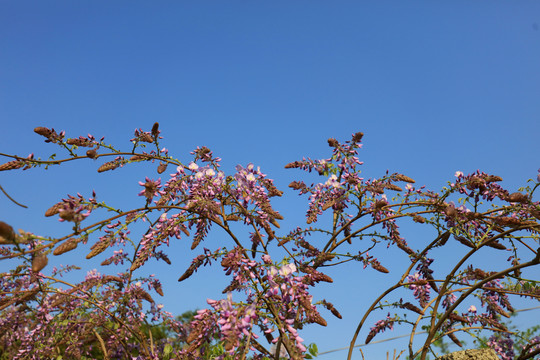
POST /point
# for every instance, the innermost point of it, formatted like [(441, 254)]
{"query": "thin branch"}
[(10, 198)]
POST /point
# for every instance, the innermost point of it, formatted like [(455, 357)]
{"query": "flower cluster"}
[(112, 316)]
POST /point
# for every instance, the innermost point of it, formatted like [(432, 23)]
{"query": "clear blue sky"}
[(435, 86)]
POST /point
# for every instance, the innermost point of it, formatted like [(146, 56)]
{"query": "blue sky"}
[(436, 87)]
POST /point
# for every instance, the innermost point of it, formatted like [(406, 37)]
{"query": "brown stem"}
[(443, 318)]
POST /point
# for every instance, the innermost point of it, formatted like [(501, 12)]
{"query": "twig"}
[(10, 198)]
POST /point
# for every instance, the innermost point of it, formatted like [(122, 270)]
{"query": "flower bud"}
[(155, 129), (357, 137), (15, 164), (450, 211), (162, 167), (145, 137), (493, 178), (98, 248), (111, 165), (464, 241), (43, 131), (419, 219), (412, 307), (66, 246), (496, 245), (53, 210), (39, 262), (92, 154), (517, 197), (377, 266), (333, 143), (401, 177), (392, 187), (7, 234), (455, 339)]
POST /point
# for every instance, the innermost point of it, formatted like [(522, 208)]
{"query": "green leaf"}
[(167, 350), (313, 351)]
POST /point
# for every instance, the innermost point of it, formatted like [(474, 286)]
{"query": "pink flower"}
[(287, 269)]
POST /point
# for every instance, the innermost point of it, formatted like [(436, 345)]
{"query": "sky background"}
[(436, 87)]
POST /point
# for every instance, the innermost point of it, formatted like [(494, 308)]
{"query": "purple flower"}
[(503, 345)]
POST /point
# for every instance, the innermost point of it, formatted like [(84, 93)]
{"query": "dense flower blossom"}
[(421, 288), (380, 326), (503, 346), (108, 314)]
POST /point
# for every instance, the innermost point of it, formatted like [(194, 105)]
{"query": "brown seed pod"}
[(158, 289), (66, 246), (39, 262)]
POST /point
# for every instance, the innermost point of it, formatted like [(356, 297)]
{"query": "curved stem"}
[(399, 284), (451, 308)]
